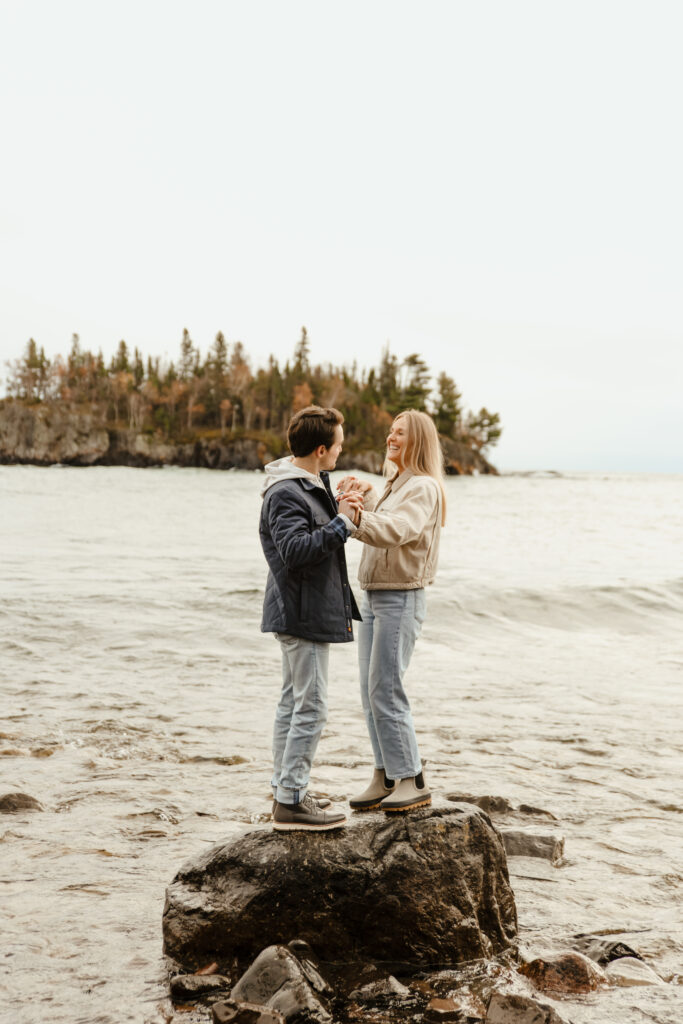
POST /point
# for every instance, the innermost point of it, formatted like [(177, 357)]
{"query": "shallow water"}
[(137, 697)]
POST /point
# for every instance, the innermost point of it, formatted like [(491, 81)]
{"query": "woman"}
[(401, 532)]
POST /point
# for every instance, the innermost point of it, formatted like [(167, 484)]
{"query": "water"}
[(137, 696)]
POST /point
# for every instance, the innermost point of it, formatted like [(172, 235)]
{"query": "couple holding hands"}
[(309, 604)]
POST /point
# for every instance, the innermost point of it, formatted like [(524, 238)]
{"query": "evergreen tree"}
[(447, 411), (415, 390), (302, 354), (189, 357), (120, 363)]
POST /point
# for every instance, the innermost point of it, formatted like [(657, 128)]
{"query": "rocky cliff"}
[(44, 435)]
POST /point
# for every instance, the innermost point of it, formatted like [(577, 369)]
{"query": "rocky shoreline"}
[(393, 919), (42, 435), (408, 920)]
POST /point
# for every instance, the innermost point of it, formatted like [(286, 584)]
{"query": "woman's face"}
[(397, 442)]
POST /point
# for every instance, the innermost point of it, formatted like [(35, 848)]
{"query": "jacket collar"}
[(401, 479), (397, 482)]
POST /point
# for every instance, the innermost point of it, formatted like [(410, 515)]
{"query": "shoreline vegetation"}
[(216, 411)]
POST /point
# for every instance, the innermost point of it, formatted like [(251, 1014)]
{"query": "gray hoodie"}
[(284, 469)]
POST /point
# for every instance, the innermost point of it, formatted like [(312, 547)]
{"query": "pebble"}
[(377, 991), (188, 987), (442, 1009), (229, 1012)]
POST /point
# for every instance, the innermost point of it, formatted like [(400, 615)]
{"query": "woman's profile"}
[(400, 531)]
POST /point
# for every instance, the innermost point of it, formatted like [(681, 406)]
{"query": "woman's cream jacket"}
[(401, 534)]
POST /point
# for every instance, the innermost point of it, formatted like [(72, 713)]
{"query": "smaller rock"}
[(442, 1009), (13, 803), (628, 970), (227, 1012), (567, 973), (489, 804), (508, 1008), (528, 809), (602, 950), (381, 991), (188, 987), (277, 980), (309, 965), (520, 843)]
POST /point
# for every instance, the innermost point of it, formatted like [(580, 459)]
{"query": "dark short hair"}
[(311, 427)]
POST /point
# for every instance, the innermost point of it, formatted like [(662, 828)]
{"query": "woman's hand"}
[(352, 483)]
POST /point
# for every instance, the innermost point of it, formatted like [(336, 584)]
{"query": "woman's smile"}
[(397, 443)]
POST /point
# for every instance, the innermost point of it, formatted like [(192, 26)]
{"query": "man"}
[(308, 603)]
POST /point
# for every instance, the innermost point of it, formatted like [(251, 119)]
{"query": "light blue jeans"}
[(392, 622), (300, 717)]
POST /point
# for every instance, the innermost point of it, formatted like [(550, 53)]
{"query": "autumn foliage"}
[(221, 395)]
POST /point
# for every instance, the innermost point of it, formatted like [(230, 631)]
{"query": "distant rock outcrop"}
[(47, 435), (429, 888)]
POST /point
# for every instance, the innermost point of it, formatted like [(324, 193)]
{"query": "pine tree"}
[(415, 390), (302, 354), (447, 412)]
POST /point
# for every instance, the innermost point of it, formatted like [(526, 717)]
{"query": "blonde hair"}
[(423, 454)]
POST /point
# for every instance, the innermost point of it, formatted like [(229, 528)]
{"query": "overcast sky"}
[(497, 186)]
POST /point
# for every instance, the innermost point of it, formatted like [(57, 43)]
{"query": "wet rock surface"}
[(523, 843), (509, 1008), (567, 973), (628, 970), (190, 987), (431, 887), (500, 805), (278, 980), (14, 803), (442, 1009), (228, 1012), (603, 950), (382, 991)]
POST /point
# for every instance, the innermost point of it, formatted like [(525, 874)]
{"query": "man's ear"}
[(320, 451)]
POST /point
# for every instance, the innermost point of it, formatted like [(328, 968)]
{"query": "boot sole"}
[(366, 807), (298, 827), (407, 807)]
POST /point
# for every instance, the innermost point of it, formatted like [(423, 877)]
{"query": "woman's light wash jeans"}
[(392, 622), (300, 717)]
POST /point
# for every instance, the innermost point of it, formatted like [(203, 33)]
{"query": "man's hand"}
[(351, 505)]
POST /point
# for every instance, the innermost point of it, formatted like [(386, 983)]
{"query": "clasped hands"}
[(350, 493)]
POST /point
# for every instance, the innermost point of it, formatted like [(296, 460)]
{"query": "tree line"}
[(221, 395)]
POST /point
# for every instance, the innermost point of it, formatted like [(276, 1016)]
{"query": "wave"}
[(629, 607)]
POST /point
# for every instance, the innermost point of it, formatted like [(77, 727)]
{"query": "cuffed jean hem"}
[(289, 796)]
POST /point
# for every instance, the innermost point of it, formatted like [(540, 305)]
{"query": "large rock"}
[(429, 887)]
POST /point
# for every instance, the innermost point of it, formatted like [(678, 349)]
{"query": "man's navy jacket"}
[(308, 592)]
